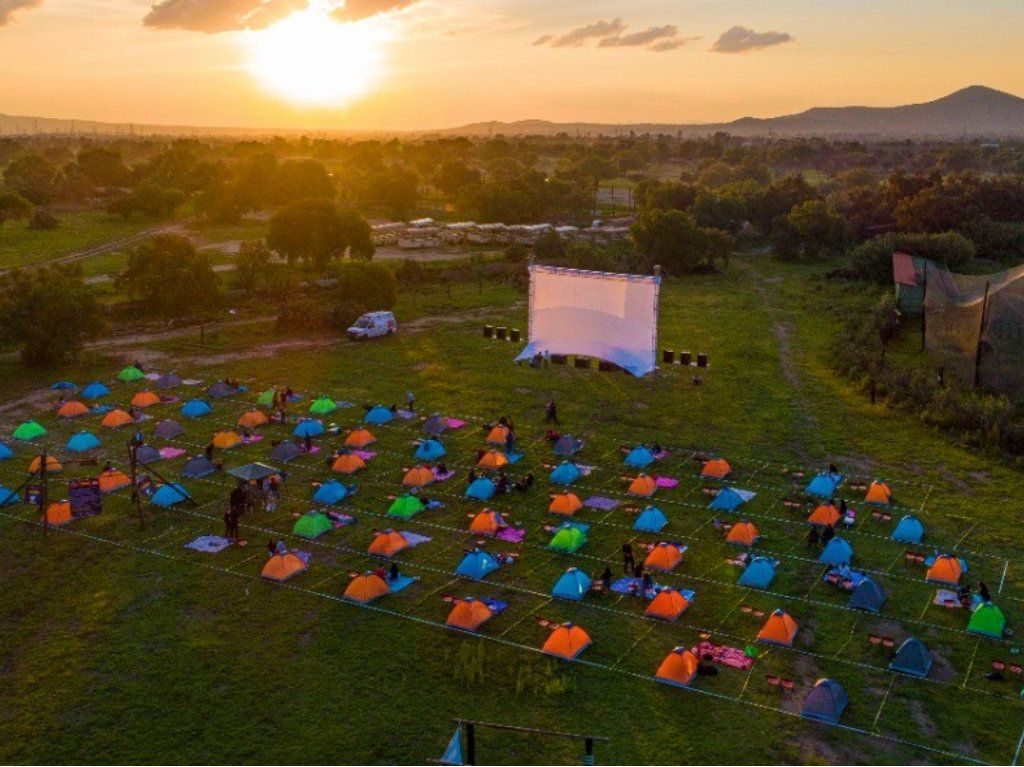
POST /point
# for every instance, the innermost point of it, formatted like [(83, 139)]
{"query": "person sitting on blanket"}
[(307, 444), (442, 469), (813, 537), (606, 579), (501, 486), (381, 573), (393, 572), (281, 548), (646, 584), (526, 483), (471, 477), (552, 436), (963, 594)]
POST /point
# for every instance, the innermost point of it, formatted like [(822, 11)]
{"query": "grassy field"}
[(21, 246), (121, 645)]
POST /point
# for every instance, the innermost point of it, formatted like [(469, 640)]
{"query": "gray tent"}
[(436, 425), (198, 467), (168, 381), (567, 446), (867, 596), (168, 429), (220, 390), (913, 658), (253, 472), (285, 451), (825, 702), (147, 454)]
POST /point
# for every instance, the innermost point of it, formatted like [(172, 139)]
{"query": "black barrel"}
[(668, 356), (583, 362), (488, 331), (684, 358), (702, 360), (514, 335), (500, 332)]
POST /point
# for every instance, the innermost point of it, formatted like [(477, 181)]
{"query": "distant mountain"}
[(977, 111)]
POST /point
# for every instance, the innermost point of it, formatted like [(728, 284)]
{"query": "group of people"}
[(502, 482), (819, 538), (631, 567)]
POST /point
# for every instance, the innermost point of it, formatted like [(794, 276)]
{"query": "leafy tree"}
[(13, 207), (314, 231), (170, 278), (393, 189), (549, 248), (252, 267), (720, 209), (454, 175), (372, 286), (300, 179), (43, 220), (50, 312), (150, 199), (102, 166), (672, 239), (818, 226), (666, 195), (33, 177)]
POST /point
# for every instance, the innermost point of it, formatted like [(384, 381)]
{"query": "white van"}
[(372, 325)]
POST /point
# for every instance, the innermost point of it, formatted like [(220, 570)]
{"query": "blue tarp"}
[(330, 493), (640, 457), (430, 450), (477, 564), (574, 584), (650, 520), (379, 415), (308, 428), (95, 390), (836, 552), (759, 574), (195, 408), (81, 442), (909, 530), (482, 489), (565, 473)]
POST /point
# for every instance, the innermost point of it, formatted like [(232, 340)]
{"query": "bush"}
[(371, 285), (872, 260), (43, 219)]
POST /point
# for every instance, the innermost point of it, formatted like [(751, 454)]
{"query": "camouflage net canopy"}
[(974, 324)]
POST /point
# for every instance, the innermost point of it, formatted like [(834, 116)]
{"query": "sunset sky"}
[(418, 64)]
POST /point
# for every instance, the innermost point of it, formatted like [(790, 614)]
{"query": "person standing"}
[(410, 400), (628, 562), (551, 412)]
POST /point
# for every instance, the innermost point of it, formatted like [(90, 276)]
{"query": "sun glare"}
[(309, 58)]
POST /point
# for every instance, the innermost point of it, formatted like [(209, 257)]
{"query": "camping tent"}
[(5, 452), (310, 427), (379, 415), (565, 503), (82, 442), (435, 426), (878, 494), (418, 476), (252, 419), (8, 497), (61, 385), (640, 457), (567, 446), (759, 574), (498, 435), (281, 567), (429, 450), (312, 525), (469, 614), (348, 463), (28, 431), (825, 702), (115, 419), (95, 390), (130, 374), (909, 530), (285, 451), (147, 454), (867, 596), (573, 584), (58, 513), (388, 543), (322, 406), (53, 466), (219, 390), (565, 473), (482, 489), (406, 507), (567, 641), (168, 381), (487, 522), (650, 520), (568, 540), (780, 629), (266, 398), (477, 564), (366, 588), (225, 440), (668, 604), (913, 658), (678, 668), (643, 486), (824, 485), (144, 399), (987, 620), (196, 408), (168, 429), (253, 472), (742, 534), (72, 409), (728, 499), (330, 493), (198, 467), (112, 480), (359, 439), (824, 515), (492, 460), (168, 495), (716, 468), (664, 557), (946, 570), (836, 552)]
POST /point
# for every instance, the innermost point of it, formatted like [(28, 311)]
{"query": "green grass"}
[(21, 246), (120, 645)]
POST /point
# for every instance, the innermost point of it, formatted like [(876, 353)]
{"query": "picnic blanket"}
[(169, 399), (661, 454), (168, 453), (511, 534), (733, 657), (405, 415), (855, 577), (340, 520), (947, 598), (345, 404), (209, 544), (666, 483), (455, 423), (631, 586), (438, 476), (401, 582), (366, 455), (601, 503), (191, 381), (585, 470), (414, 539), (252, 438)]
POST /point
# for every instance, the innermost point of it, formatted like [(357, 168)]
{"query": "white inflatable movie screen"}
[(611, 317)]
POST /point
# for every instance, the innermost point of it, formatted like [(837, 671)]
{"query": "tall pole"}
[(133, 465), (924, 309), (44, 458), (981, 333), (470, 743)]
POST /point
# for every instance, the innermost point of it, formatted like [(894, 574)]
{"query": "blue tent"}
[(379, 415), (453, 753), (330, 493), (64, 385), (640, 457), (168, 495), (912, 658), (430, 450), (285, 451), (867, 596), (5, 452), (308, 428), (477, 564), (567, 446), (727, 500), (198, 467), (909, 530), (825, 702), (147, 454), (824, 485), (81, 442), (836, 552), (195, 408), (7, 497), (650, 520), (95, 390), (574, 584), (759, 574), (482, 489), (565, 473)]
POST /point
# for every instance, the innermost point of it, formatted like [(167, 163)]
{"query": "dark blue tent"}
[(912, 658), (574, 584), (825, 702), (477, 564), (436, 425), (168, 429), (308, 428), (285, 451), (379, 415), (836, 552), (198, 467), (909, 530), (567, 446), (63, 385), (867, 596), (650, 520), (146, 454), (759, 574)]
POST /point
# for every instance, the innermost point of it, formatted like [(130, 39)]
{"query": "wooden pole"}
[(470, 743), (924, 310), (981, 333), (133, 468), (42, 491)]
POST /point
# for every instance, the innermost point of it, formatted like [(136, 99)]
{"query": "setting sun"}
[(310, 58)]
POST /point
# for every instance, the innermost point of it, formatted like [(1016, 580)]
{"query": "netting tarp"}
[(974, 324)]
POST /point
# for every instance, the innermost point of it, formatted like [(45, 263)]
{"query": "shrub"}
[(873, 259)]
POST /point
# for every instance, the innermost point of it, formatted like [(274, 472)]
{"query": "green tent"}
[(130, 374), (988, 620), (266, 398), (29, 431), (323, 406), (568, 539), (406, 507), (312, 525)]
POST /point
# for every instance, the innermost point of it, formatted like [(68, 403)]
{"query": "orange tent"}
[(945, 569), (252, 419), (668, 605), (469, 614), (825, 515), (643, 486), (281, 567), (565, 503), (492, 459), (879, 493), (679, 667), (59, 513), (116, 418), (112, 480), (359, 439), (716, 468), (498, 435), (664, 557), (225, 440), (388, 543), (52, 465), (145, 399), (487, 522), (72, 410), (567, 641), (418, 476), (780, 629), (366, 588), (742, 534), (348, 463)]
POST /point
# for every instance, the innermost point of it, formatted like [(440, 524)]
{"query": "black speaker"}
[(668, 356), (684, 358), (499, 333), (558, 359), (583, 362), (702, 360), (488, 331), (514, 335)]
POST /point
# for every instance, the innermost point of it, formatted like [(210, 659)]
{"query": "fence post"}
[(470, 744), (588, 752)]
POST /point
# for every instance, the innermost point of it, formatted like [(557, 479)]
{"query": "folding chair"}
[(888, 643), (1015, 668), (998, 665), (788, 685), (874, 639), (772, 680)]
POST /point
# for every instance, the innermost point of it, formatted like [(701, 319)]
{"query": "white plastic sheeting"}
[(611, 317)]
